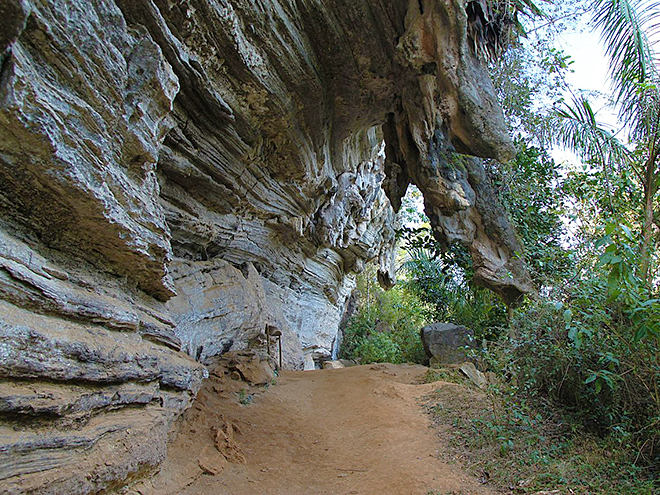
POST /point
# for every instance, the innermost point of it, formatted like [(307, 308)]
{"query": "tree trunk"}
[(650, 189)]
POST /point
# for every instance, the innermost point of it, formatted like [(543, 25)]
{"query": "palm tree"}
[(635, 78), (421, 263), (429, 277)]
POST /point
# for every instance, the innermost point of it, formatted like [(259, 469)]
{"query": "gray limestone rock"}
[(333, 365), (217, 308), (84, 106), (445, 343), (249, 366)]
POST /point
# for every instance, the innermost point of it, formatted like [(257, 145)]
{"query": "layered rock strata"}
[(178, 177)]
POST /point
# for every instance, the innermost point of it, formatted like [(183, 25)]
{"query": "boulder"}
[(332, 365), (309, 364), (444, 343), (475, 376), (218, 308), (249, 366)]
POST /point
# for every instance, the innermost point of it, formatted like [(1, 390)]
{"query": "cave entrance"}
[(434, 286)]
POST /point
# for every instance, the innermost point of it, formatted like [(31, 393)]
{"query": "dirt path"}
[(356, 430)]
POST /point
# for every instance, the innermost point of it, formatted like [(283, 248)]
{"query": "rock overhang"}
[(229, 152)]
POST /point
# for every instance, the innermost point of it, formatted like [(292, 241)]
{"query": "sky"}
[(590, 67)]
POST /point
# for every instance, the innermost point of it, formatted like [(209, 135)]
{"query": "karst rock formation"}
[(178, 176)]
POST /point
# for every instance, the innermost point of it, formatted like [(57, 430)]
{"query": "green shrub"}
[(398, 312), (448, 293), (378, 348), (586, 360)]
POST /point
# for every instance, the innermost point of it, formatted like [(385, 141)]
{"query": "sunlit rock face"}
[(178, 177)]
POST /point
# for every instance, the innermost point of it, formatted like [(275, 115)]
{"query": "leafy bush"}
[(585, 358), (378, 348), (397, 313), (449, 294), (510, 444), (531, 189)]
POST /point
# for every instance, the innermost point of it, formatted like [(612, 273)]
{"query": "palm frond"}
[(575, 126), (645, 124), (421, 263), (623, 24)]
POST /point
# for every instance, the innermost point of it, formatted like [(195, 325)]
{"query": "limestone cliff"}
[(178, 176)]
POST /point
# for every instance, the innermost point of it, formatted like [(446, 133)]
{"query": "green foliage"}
[(591, 203), (510, 444), (575, 126), (585, 357), (386, 326), (377, 348), (532, 191), (443, 283), (577, 372), (529, 79), (595, 357), (625, 287), (244, 397), (634, 74), (482, 311), (624, 25), (411, 208)]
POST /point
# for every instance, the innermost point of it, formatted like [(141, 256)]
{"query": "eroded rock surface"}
[(446, 343), (91, 378), (177, 177)]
